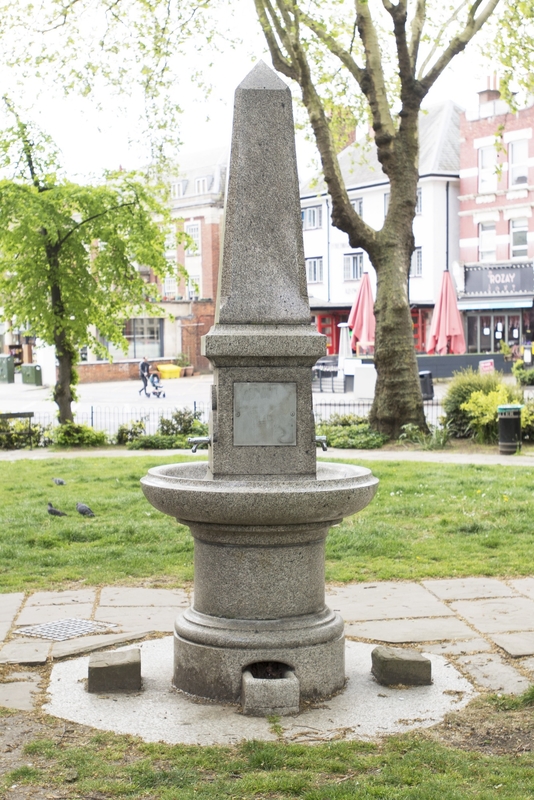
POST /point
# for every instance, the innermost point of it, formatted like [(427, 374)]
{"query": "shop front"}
[(497, 306)]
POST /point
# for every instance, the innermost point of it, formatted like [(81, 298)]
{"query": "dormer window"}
[(178, 189), (201, 185)]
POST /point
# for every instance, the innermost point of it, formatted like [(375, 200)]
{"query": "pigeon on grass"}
[(84, 510), (55, 512), (59, 481)]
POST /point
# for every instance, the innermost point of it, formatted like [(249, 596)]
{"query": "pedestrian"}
[(144, 371)]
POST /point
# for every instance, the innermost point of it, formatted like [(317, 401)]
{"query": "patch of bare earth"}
[(486, 729)]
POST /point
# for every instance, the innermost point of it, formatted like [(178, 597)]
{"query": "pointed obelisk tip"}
[(263, 77)]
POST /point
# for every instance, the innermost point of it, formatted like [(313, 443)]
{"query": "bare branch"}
[(437, 39), (264, 10), (418, 23), (459, 42), (374, 86), (334, 46)]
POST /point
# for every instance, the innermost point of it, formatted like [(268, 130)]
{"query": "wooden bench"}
[(21, 415)]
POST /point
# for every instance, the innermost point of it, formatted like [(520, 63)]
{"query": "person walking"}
[(144, 371)]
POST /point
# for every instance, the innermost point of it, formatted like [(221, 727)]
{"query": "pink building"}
[(495, 279)]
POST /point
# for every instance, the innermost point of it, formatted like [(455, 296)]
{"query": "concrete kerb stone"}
[(394, 665), (115, 671)]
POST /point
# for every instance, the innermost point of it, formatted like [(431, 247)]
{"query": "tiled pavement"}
[(485, 626)]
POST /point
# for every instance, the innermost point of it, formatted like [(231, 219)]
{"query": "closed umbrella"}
[(446, 330), (361, 318)]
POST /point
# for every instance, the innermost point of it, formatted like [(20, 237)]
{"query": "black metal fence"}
[(361, 408)]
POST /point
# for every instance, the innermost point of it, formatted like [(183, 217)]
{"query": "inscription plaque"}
[(265, 414)]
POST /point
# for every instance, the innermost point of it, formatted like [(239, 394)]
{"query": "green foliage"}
[(342, 433), (482, 410), (158, 441), (461, 388), (72, 435), (14, 435), (182, 360), (437, 439), (129, 433), (524, 376), (182, 421)]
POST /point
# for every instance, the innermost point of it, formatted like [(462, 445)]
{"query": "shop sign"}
[(485, 367), (500, 279)]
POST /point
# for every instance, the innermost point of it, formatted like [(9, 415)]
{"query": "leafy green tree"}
[(376, 61), (70, 254)]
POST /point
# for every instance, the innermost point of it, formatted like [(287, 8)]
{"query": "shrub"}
[(69, 434), (437, 439), (14, 435), (462, 386), (128, 433), (524, 376), (483, 414), (360, 437), (182, 421), (527, 421)]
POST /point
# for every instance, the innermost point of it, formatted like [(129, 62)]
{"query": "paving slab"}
[(87, 644), (528, 664), (404, 631), (524, 586), (459, 648), (492, 672), (19, 694), (25, 651), (35, 615), (9, 605), (515, 644), (504, 615), (132, 618), (62, 598), (132, 596), (468, 588), (364, 710), (388, 600)]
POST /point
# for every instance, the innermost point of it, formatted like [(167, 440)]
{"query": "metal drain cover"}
[(65, 629)]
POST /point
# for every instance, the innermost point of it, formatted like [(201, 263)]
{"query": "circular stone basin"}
[(189, 493)]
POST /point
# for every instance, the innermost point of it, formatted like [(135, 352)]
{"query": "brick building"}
[(495, 278)]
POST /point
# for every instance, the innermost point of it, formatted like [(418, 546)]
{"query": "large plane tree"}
[(376, 60)]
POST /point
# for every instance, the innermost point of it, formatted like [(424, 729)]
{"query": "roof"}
[(209, 164), (439, 151)]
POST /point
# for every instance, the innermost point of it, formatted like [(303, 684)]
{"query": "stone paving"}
[(483, 626)]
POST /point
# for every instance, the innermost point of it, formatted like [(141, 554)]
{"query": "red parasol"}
[(446, 331), (361, 318)]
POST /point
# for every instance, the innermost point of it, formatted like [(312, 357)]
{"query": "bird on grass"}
[(55, 512), (59, 481), (84, 510)]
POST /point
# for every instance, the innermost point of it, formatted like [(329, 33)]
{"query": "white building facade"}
[(334, 269)]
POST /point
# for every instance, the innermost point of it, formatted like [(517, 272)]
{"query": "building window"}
[(353, 266), (201, 185), (518, 162), (192, 229), (487, 241), (144, 337), (170, 242), (386, 203), (314, 270), (419, 201), (312, 217), (518, 238), (487, 169), (357, 205), (170, 287), (416, 264), (177, 189)]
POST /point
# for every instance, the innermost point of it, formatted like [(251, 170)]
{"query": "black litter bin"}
[(427, 386), (509, 429)]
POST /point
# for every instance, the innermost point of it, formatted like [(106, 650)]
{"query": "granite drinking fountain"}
[(260, 508)]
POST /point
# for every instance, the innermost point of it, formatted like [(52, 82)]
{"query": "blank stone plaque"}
[(265, 414)]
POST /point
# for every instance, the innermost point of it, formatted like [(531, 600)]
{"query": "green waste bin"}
[(7, 369), (509, 429), (32, 374)]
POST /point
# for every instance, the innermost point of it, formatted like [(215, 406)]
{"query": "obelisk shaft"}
[(263, 279)]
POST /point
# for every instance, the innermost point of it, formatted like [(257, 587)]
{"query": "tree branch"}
[(374, 86), (459, 42), (264, 11), (93, 217), (418, 23), (335, 47)]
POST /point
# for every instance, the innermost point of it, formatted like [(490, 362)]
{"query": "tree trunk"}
[(397, 400), (62, 390)]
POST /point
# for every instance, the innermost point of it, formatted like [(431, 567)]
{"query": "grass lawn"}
[(427, 520)]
